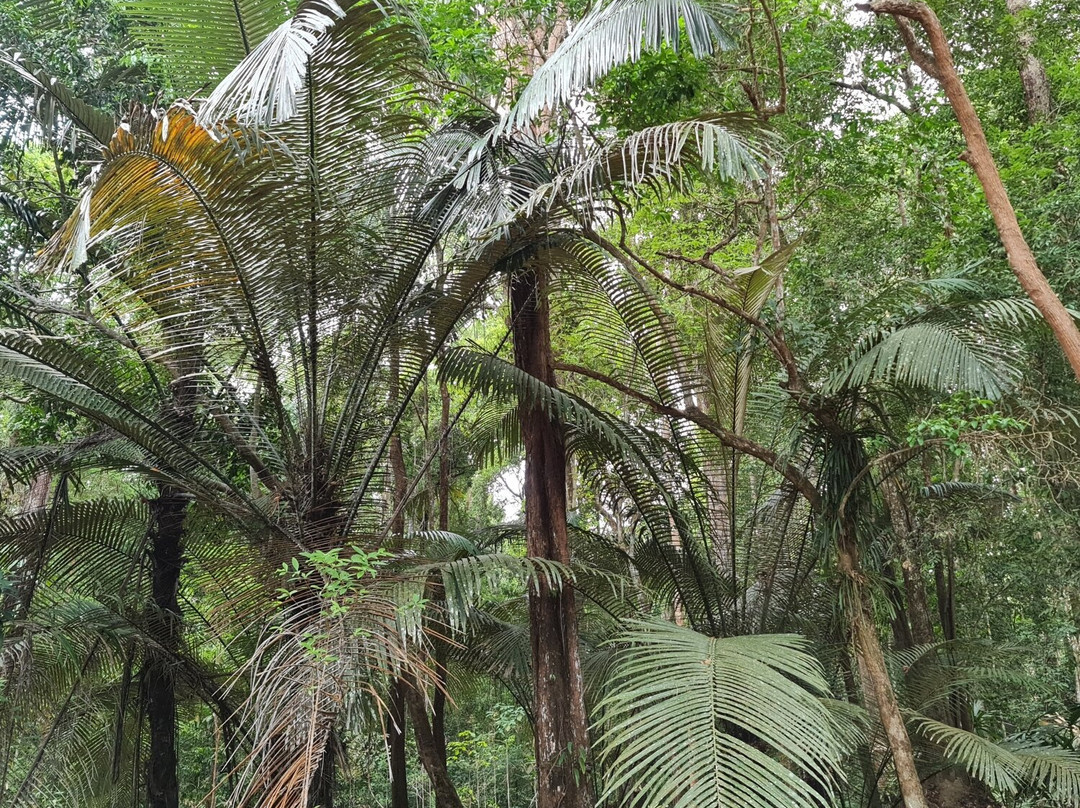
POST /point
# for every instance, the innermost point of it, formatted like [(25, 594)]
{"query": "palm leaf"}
[(937, 355), (202, 40), (720, 146), (612, 34), (265, 87), (673, 682), (97, 124)]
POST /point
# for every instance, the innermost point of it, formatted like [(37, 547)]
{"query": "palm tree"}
[(952, 337), (525, 194), (246, 292)]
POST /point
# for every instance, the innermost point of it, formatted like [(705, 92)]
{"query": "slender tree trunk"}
[(876, 683), (1032, 73), (166, 556), (562, 741), (438, 716), (396, 724), (434, 763), (1074, 641), (1021, 259), (871, 797), (918, 610), (37, 497), (399, 783), (944, 602), (901, 627), (444, 456)]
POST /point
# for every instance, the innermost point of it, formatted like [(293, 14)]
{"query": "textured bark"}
[(918, 609), (396, 724), (38, 495), (940, 66), (1037, 97), (444, 456), (901, 628), (877, 685), (1074, 641), (943, 590), (561, 725), (166, 557), (438, 716), (871, 796), (433, 761)]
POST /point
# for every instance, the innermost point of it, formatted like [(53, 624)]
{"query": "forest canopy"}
[(644, 404)]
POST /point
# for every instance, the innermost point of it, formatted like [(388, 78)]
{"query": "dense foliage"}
[(644, 403)]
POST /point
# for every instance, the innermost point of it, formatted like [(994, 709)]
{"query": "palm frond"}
[(720, 146), (713, 694), (985, 760), (265, 87), (616, 33), (97, 124), (202, 40), (940, 356)]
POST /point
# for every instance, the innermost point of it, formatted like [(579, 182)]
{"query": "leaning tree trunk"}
[(877, 685), (562, 740), (940, 66), (159, 689)]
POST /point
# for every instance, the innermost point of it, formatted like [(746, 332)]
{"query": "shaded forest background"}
[(497, 404)]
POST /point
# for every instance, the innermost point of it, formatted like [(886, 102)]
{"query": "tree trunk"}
[(1074, 641), (562, 742), (918, 610), (877, 685), (444, 457), (1032, 73), (37, 497), (1021, 260), (901, 627), (871, 797), (399, 783), (166, 556), (433, 761), (438, 716), (396, 724)]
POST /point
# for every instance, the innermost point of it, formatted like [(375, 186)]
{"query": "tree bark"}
[(877, 685), (444, 456), (166, 556), (1032, 72), (433, 761), (1074, 641), (940, 66), (399, 783), (438, 716), (871, 797), (918, 610), (37, 497), (561, 735), (396, 725), (901, 627)]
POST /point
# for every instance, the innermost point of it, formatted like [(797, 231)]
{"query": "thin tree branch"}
[(695, 415), (862, 86)]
